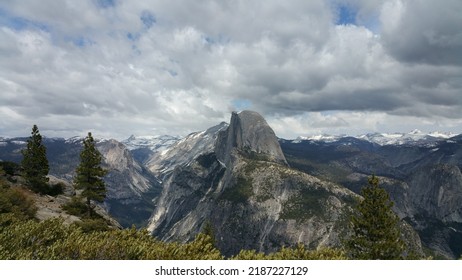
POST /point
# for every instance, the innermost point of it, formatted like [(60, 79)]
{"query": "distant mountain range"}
[(260, 192), (415, 137)]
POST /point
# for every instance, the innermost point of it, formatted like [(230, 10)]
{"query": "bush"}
[(47, 189), (91, 225), (16, 201), (76, 207), (56, 189), (10, 168), (297, 253), (51, 240)]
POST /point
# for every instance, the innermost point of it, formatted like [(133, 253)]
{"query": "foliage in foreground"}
[(297, 253), (16, 202), (52, 240), (22, 237)]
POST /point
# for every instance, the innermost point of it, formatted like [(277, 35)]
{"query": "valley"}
[(261, 193)]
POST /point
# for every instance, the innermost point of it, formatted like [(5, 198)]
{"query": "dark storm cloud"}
[(425, 32)]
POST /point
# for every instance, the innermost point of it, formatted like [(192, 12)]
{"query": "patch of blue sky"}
[(105, 3), (19, 23), (148, 19), (346, 15), (136, 50), (241, 104), (172, 73), (328, 112), (372, 23), (220, 40), (82, 41), (133, 36)]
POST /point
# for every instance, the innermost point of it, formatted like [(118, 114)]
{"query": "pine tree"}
[(89, 174), (210, 231), (35, 163), (376, 233)]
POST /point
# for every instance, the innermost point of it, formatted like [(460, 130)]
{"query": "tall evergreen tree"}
[(35, 162), (89, 174), (376, 233)]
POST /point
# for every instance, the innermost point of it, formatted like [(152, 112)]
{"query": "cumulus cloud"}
[(123, 67), (419, 31)]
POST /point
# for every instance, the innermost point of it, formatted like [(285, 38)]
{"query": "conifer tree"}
[(89, 174), (35, 163), (376, 233)]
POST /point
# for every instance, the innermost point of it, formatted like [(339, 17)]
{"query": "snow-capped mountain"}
[(183, 151), (320, 137), (415, 137), (154, 143)]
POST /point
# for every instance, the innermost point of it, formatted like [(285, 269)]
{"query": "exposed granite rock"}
[(252, 198), (437, 192), (184, 151), (130, 186), (249, 133), (265, 206)]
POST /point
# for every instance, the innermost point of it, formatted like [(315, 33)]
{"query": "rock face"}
[(424, 181), (130, 186), (248, 132), (183, 151), (253, 200), (437, 192), (145, 147)]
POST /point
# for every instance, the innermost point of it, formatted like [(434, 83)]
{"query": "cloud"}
[(124, 67), (420, 31)]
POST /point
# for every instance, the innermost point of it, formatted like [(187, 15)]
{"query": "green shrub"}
[(297, 253), (76, 207), (52, 240), (56, 189), (16, 201), (10, 168), (91, 225)]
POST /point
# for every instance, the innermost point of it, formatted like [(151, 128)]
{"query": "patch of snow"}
[(155, 143), (415, 137)]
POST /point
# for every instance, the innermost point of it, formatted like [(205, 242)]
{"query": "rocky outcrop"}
[(246, 190), (424, 181), (264, 206), (127, 178), (248, 133), (184, 151), (437, 192), (130, 186)]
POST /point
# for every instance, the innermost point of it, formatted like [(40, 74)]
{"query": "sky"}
[(118, 68)]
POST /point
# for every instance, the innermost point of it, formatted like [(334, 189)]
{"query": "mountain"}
[(260, 192), (183, 151), (243, 186), (413, 138), (144, 147), (423, 178), (131, 186)]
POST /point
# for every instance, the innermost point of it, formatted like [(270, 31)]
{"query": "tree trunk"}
[(89, 208)]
